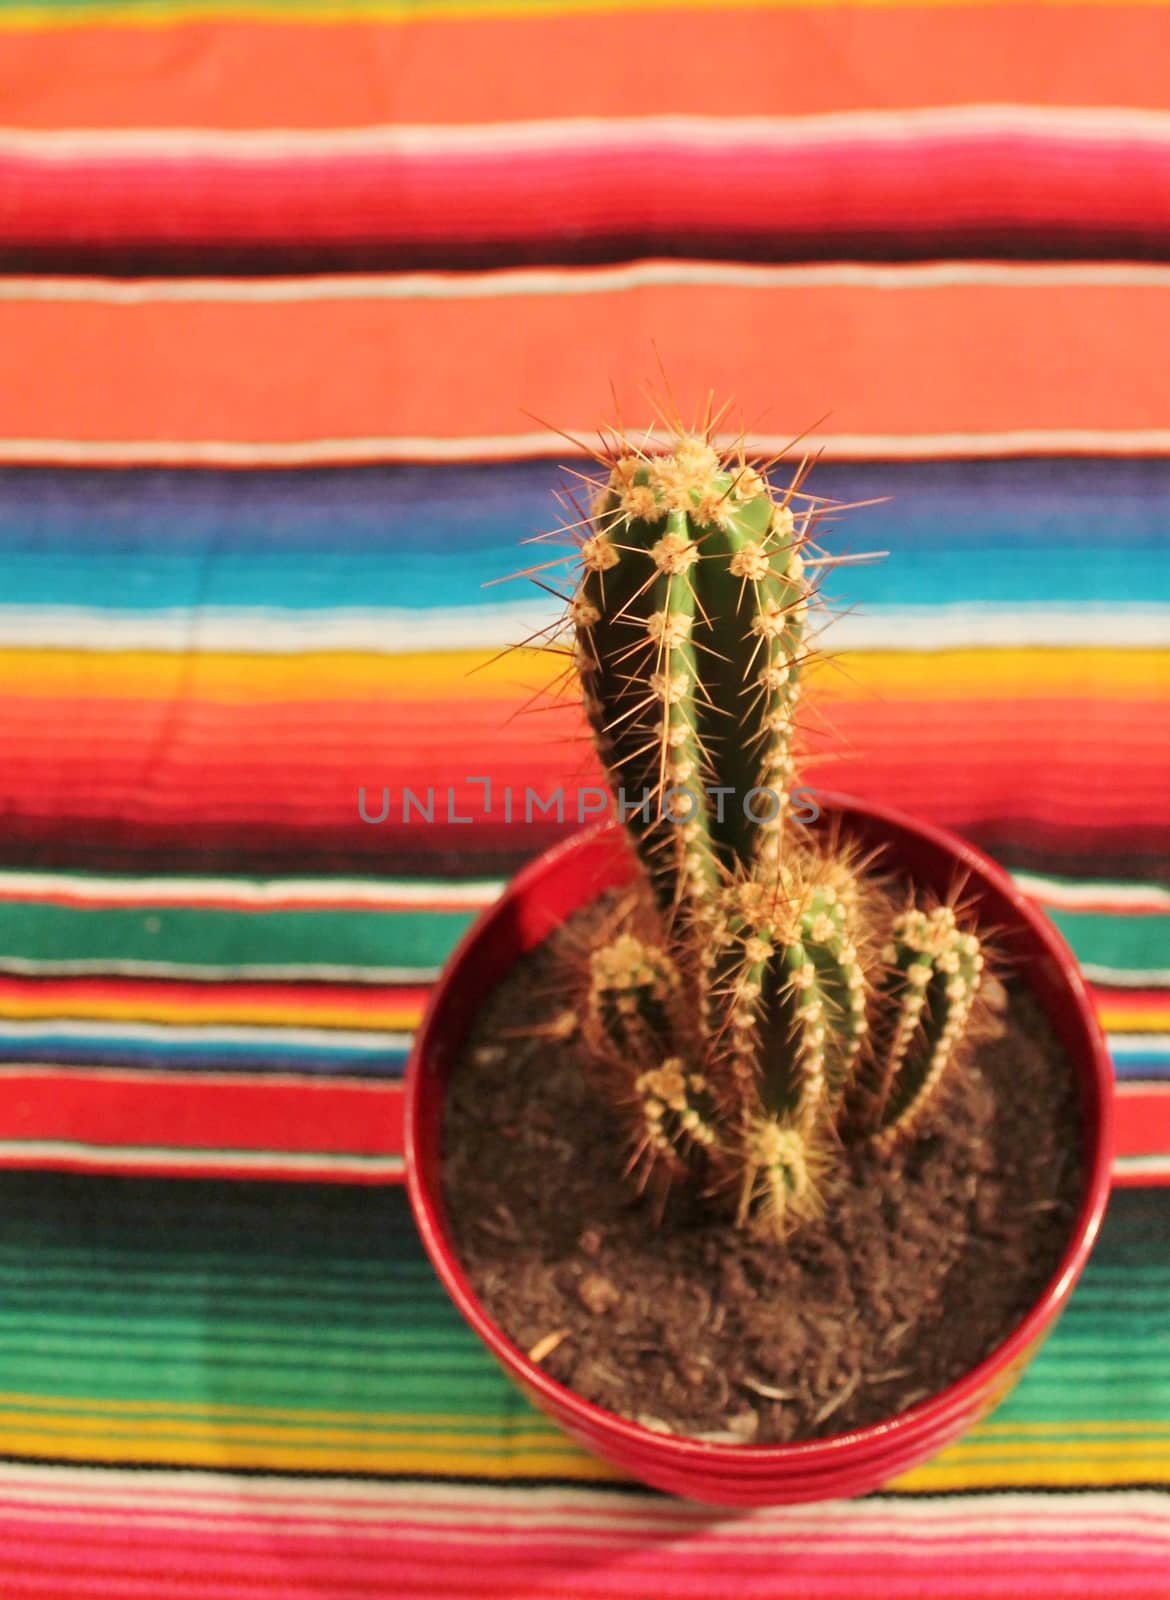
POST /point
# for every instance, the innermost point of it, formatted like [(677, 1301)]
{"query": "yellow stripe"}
[(1080, 1472), (217, 1008), (218, 1452), (1149, 1019), (320, 12), (221, 1446), (533, 1426), (997, 673), (976, 1449), (1096, 1428), (981, 1462), (241, 679), (530, 1428), (82, 1404), (446, 675), (535, 1449), (41, 1003), (358, 1443)]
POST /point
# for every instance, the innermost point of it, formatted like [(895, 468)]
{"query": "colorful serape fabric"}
[(290, 293)]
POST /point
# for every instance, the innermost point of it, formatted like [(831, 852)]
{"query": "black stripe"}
[(1126, 240)]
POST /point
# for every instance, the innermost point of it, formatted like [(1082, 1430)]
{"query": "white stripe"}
[(273, 631), (1125, 1045), (1003, 1513), (1127, 977), (301, 971), (738, 1537), (500, 447), (1114, 977), (213, 1034), (531, 282), (1141, 1091), (1090, 894), (689, 133), (741, 1533), (495, 626), (978, 625), (1142, 1166), (265, 895), (100, 1155)]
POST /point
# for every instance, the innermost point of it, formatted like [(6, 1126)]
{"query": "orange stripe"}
[(1075, 768), (345, 679), (295, 75), (963, 359)]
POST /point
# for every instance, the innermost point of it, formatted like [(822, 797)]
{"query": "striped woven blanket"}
[(284, 286)]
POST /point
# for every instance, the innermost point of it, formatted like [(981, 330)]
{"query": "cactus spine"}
[(781, 1006)]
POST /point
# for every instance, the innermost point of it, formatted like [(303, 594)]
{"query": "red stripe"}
[(199, 1112), (817, 194), (217, 1116), (1143, 1120)]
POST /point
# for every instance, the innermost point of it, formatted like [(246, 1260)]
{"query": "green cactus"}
[(796, 993), (782, 1006), (634, 1022), (690, 625), (932, 985)]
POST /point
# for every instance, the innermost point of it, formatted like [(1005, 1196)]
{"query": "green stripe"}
[(321, 1300), (197, 936), (1137, 941)]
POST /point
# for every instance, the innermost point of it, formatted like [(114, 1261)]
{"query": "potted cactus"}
[(773, 1013)]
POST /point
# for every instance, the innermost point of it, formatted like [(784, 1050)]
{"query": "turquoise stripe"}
[(976, 532)]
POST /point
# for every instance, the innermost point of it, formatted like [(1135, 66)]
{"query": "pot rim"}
[(809, 1455)]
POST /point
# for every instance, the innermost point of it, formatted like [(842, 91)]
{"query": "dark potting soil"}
[(921, 1264)]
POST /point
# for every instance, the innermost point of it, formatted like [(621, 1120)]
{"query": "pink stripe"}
[(178, 1563), (253, 1532), (917, 1521), (924, 183)]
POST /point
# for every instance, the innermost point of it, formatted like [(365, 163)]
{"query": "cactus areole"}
[(779, 1002)]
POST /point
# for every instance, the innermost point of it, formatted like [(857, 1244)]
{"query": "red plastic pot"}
[(536, 902)]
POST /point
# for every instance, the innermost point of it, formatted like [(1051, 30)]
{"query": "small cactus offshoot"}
[(782, 1005)]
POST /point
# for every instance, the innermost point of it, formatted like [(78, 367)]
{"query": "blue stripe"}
[(164, 1056), (1143, 1063), (957, 532), (342, 1060)]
